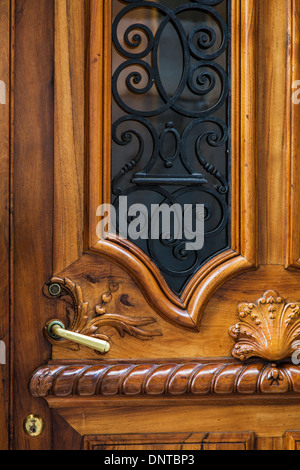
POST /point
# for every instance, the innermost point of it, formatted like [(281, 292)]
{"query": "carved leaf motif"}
[(42, 382), (89, 324), (129, 325), (267, 328)]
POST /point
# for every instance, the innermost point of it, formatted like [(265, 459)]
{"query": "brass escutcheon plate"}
[(34, 425)]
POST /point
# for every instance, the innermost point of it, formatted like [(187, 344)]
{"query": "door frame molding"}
[(292, 155), (185, 311), (6, 142)]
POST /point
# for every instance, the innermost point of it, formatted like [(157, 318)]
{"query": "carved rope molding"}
[(170, 379), (87, 323), (268, 329)]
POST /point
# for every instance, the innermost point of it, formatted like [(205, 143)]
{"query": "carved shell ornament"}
[(267, 329)]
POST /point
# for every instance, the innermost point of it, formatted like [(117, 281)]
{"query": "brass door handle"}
[(56, 330)]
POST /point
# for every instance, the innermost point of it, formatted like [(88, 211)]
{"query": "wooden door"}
[(198, 359)]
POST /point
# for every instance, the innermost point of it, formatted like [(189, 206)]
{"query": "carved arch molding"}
[(186, 309)]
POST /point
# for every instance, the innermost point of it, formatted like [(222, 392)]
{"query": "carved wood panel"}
[(180, 442), (183, 371)]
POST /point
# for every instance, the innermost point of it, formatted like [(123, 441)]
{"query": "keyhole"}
[(32, 427)]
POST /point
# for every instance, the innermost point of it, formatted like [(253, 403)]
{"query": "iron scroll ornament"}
[(174, 147)]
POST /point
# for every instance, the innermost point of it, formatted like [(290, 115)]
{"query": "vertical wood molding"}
[(292, 260), (5, 80), (271, 136), (246, 181), (33, 206), (292, 440), (99, 111), (69, 132)]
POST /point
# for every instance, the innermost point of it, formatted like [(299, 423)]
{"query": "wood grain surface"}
[(265, 419), (272, 136), (69, 119), (33, 205), (5, 108), (191, 441)]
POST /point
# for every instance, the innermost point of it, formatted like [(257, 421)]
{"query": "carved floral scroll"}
[(89, 322)]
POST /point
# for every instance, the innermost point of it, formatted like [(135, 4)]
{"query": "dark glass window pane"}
[(171, 120)]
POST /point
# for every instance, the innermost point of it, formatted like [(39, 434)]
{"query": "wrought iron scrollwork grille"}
[(171, 119)]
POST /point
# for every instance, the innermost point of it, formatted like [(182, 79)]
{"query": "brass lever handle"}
[(56, 330)]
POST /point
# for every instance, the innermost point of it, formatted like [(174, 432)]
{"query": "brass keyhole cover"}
[(34, 425)]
